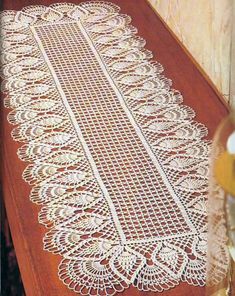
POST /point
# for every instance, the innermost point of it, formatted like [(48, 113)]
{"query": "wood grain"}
[(39, 268), (199, 25)]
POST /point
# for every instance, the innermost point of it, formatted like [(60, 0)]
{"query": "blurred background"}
[(204, 27), (11, 284)]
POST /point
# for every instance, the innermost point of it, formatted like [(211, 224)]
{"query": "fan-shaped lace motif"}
[(103, 250)]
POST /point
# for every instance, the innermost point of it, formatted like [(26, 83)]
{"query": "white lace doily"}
[(117, 162)]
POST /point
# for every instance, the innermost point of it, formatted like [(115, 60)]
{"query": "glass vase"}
[(221, 212)]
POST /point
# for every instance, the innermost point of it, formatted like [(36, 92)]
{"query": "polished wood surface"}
[(39, 268)]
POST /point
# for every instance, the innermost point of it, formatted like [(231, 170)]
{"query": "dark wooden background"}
[(39, 268)]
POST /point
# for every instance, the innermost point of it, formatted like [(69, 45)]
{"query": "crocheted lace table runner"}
[(117, 162)]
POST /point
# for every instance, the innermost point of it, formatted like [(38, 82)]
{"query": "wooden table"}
[(39, 268)]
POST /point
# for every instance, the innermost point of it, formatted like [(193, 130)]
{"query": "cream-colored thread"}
[(58, 168), (79, 133)]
